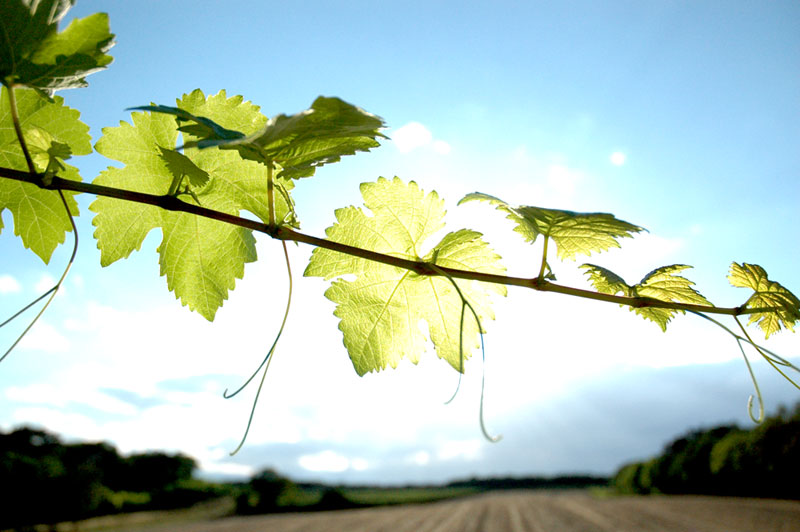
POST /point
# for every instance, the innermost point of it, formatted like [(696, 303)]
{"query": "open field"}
[(535, 511)]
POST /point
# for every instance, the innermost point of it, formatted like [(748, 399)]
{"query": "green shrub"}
[(625, 481), (127, 501), (334, 499)]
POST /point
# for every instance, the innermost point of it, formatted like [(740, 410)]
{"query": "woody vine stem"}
[(172, 203)]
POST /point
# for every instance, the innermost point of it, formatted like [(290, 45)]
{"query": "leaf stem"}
[(271, 195), (12, 103), (544, 258)]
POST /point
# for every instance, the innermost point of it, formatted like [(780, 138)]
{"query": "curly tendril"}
[(772, 359), (267, 359), (466, 304)]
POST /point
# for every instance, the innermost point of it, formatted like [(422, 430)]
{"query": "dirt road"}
[(534, 512)]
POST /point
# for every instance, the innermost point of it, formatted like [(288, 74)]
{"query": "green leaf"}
[(243, 181), (201, 258), (606, 281), (783, 307), (381, 309), (34, 54), (662, 284), (299, 143), (53, 132), (575, 233)]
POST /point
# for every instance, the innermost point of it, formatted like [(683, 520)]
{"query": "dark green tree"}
[(268, 485)]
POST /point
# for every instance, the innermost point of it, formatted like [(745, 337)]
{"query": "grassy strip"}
[(389, 496)]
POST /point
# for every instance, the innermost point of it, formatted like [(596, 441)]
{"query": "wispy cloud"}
[(9, 285), (415, 135), (45, 283), (45, 337)]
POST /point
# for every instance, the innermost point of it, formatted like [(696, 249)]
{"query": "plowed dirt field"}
[(535, 512)]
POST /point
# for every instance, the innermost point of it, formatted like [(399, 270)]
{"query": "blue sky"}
[(523, 100)]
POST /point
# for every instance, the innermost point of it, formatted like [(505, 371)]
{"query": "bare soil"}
[(534, 511)]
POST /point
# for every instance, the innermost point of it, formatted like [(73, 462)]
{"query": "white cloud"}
[(411, 136), (327, 461), (68, 392), (359, 464), (46, 282), (66, 424), (545, 181), (420, 458), (45, 337), (468, 450), (441, 147), (415, 135), (640, 255), (225, 468), (562, 180), (77, 280), (9, 285)]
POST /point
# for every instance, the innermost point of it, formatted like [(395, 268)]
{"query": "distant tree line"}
[(44, 480), (269, 492), (726, 460), (517, 483)]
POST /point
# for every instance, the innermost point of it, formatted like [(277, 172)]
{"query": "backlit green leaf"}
[(201, 258), (662, 284), (53, 132), (382, 308), (34, 54), (783, 306), (575, 233), (606, 281)]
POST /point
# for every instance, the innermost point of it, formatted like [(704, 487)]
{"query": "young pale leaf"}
[(200, 258), (606, 281), (46, 152), (34, 54), (575, 233), (299, 143), (662, 284), (53, 132), (330, 129), (381, 309), (782, 306)]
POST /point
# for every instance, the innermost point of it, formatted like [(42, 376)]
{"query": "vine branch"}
[(172, 203)]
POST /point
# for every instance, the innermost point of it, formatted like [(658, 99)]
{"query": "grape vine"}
[(190, 169)]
